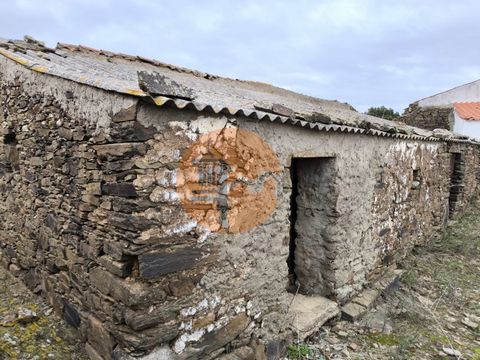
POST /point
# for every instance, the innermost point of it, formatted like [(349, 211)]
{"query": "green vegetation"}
[(299, 351), (383, 112), (384, 339)]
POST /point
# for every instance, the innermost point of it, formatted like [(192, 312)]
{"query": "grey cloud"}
[(367, 52)]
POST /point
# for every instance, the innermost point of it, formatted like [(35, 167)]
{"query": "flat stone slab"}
[(310, 313), (367, 298)]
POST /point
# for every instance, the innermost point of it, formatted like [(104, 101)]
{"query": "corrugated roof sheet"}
[(468, 110), (168, 85)]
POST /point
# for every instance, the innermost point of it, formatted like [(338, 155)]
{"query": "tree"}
[(383, 112)]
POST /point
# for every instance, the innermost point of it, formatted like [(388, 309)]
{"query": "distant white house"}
[(457, 109), (467, 118)]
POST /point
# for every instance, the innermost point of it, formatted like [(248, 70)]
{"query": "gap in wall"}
[(457, 174)]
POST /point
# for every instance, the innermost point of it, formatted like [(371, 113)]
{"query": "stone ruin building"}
[(167, 213)]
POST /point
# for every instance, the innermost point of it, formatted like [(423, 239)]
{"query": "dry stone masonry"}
[(429, 117), (175, 216)]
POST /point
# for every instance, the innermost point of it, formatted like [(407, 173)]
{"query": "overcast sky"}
[(367, 53)]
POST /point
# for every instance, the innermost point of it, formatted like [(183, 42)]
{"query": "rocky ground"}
[(434, 315), (28, 327)]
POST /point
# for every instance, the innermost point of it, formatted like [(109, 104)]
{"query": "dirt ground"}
[(29, 329), (434, 315)]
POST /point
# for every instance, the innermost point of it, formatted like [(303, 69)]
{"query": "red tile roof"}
[(468, 110)]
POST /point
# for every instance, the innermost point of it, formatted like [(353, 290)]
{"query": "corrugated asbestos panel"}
[(123, 78)]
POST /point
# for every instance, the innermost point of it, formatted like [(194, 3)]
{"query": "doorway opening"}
[(457, 175), (312, 208)]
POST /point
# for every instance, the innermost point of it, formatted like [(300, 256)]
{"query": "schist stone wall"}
[(428, 117), (175, 233)]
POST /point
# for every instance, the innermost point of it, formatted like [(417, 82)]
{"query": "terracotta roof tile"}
[(468, 110)]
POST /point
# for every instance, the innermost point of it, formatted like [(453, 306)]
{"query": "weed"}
[(299, 351), (404, 347), (410, 277), (384, 339)]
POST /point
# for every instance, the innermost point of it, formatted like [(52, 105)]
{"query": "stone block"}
[(181, 287), (146, 340), (132, 131), (100, 338), (119, 189), (127, 114), (367, 298), (243, 353), (219, 338), (70, 314), (92, 353), (65, 133), (389, 281), (129, 292), (119, 268), (352, 311), (123, 150), (93, 188), (276, 349), (116, 250), (144, 319), (155, 264)]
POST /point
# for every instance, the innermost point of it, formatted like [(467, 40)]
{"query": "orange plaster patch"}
[(227, 180)]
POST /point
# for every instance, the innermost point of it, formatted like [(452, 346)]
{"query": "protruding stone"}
[(156, 264), (127, 114), (352, 311), (218, 338), (99, 337), (93, 188), (129, 293), (367, 298), (119, 268)]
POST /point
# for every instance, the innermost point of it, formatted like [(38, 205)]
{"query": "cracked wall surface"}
[(167, 232)]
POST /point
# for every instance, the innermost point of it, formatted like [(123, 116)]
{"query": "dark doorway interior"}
[(312, 207), (457, 175)]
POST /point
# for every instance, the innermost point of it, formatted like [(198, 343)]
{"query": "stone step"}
[(364, 301), (310, 313)]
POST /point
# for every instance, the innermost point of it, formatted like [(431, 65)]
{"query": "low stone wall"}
[(146, 239), (429, 118)]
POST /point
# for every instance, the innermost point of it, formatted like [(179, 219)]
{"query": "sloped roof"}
[(169, 85), (119, 72), (468, 110)]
